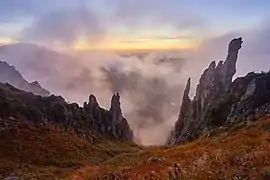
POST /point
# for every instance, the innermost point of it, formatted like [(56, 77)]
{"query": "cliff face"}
[(221, 102), (8, 74), (215, 96), (55, 110)]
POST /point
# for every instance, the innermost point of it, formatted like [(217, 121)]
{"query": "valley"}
[(223, 133)]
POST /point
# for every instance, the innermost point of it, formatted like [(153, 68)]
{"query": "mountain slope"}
[(45, 137), (31, 57), (50, 152), (54, 110), (237, 152), (38, 61), (56, 71), (8, 74)]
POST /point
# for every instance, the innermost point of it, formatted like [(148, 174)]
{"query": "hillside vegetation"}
[(49, 152), (241, 151), (43, 152)]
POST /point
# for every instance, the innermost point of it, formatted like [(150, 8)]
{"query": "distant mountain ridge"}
[(56, 71), (10, 75)]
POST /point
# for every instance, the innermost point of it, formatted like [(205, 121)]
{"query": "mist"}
[(151, 90), (150, 83)]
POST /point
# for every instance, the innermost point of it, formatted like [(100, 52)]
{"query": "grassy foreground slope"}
[(238, 152), (32, 151)]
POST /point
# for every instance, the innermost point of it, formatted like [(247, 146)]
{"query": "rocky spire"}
[(116, 109), (214, 81), (92, 107), (118, 125), (187, 89), (110, 123), (186, 102), (184, 111), (92, 102), (230, 63)]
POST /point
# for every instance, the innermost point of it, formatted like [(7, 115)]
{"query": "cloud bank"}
[(67, 22), (150, 83)]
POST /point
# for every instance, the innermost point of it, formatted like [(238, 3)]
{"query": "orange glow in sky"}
[(136, 44), (5, 40), (121, 44)]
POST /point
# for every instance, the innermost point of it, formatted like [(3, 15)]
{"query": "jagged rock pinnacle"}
[(93, 100), (109, 122), (116, 108), (230, 63), (187, 89), (92, 107), (212, 85), (184, 110)]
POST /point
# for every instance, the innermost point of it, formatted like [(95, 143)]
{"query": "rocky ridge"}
[(109, 122), (17, 104), (9, 74), (219, 101)]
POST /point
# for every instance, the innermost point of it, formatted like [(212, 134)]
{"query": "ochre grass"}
[(42, 152), (48, 152), (244, 153)]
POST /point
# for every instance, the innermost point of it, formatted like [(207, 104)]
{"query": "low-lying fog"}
[(150, 83)]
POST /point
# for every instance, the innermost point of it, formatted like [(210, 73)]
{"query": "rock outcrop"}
[(9, 74), (196, 115), (112, 122), (221, 102), (254, 102), (119, 125), (115, 109), (73, 118)]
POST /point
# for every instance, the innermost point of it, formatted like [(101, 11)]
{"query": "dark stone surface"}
[(55, 110), (219, 101)]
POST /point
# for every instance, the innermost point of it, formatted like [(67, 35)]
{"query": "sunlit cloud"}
[(125, 24), (147, 43)]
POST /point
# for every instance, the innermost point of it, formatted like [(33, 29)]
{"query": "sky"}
[(126, 24)]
